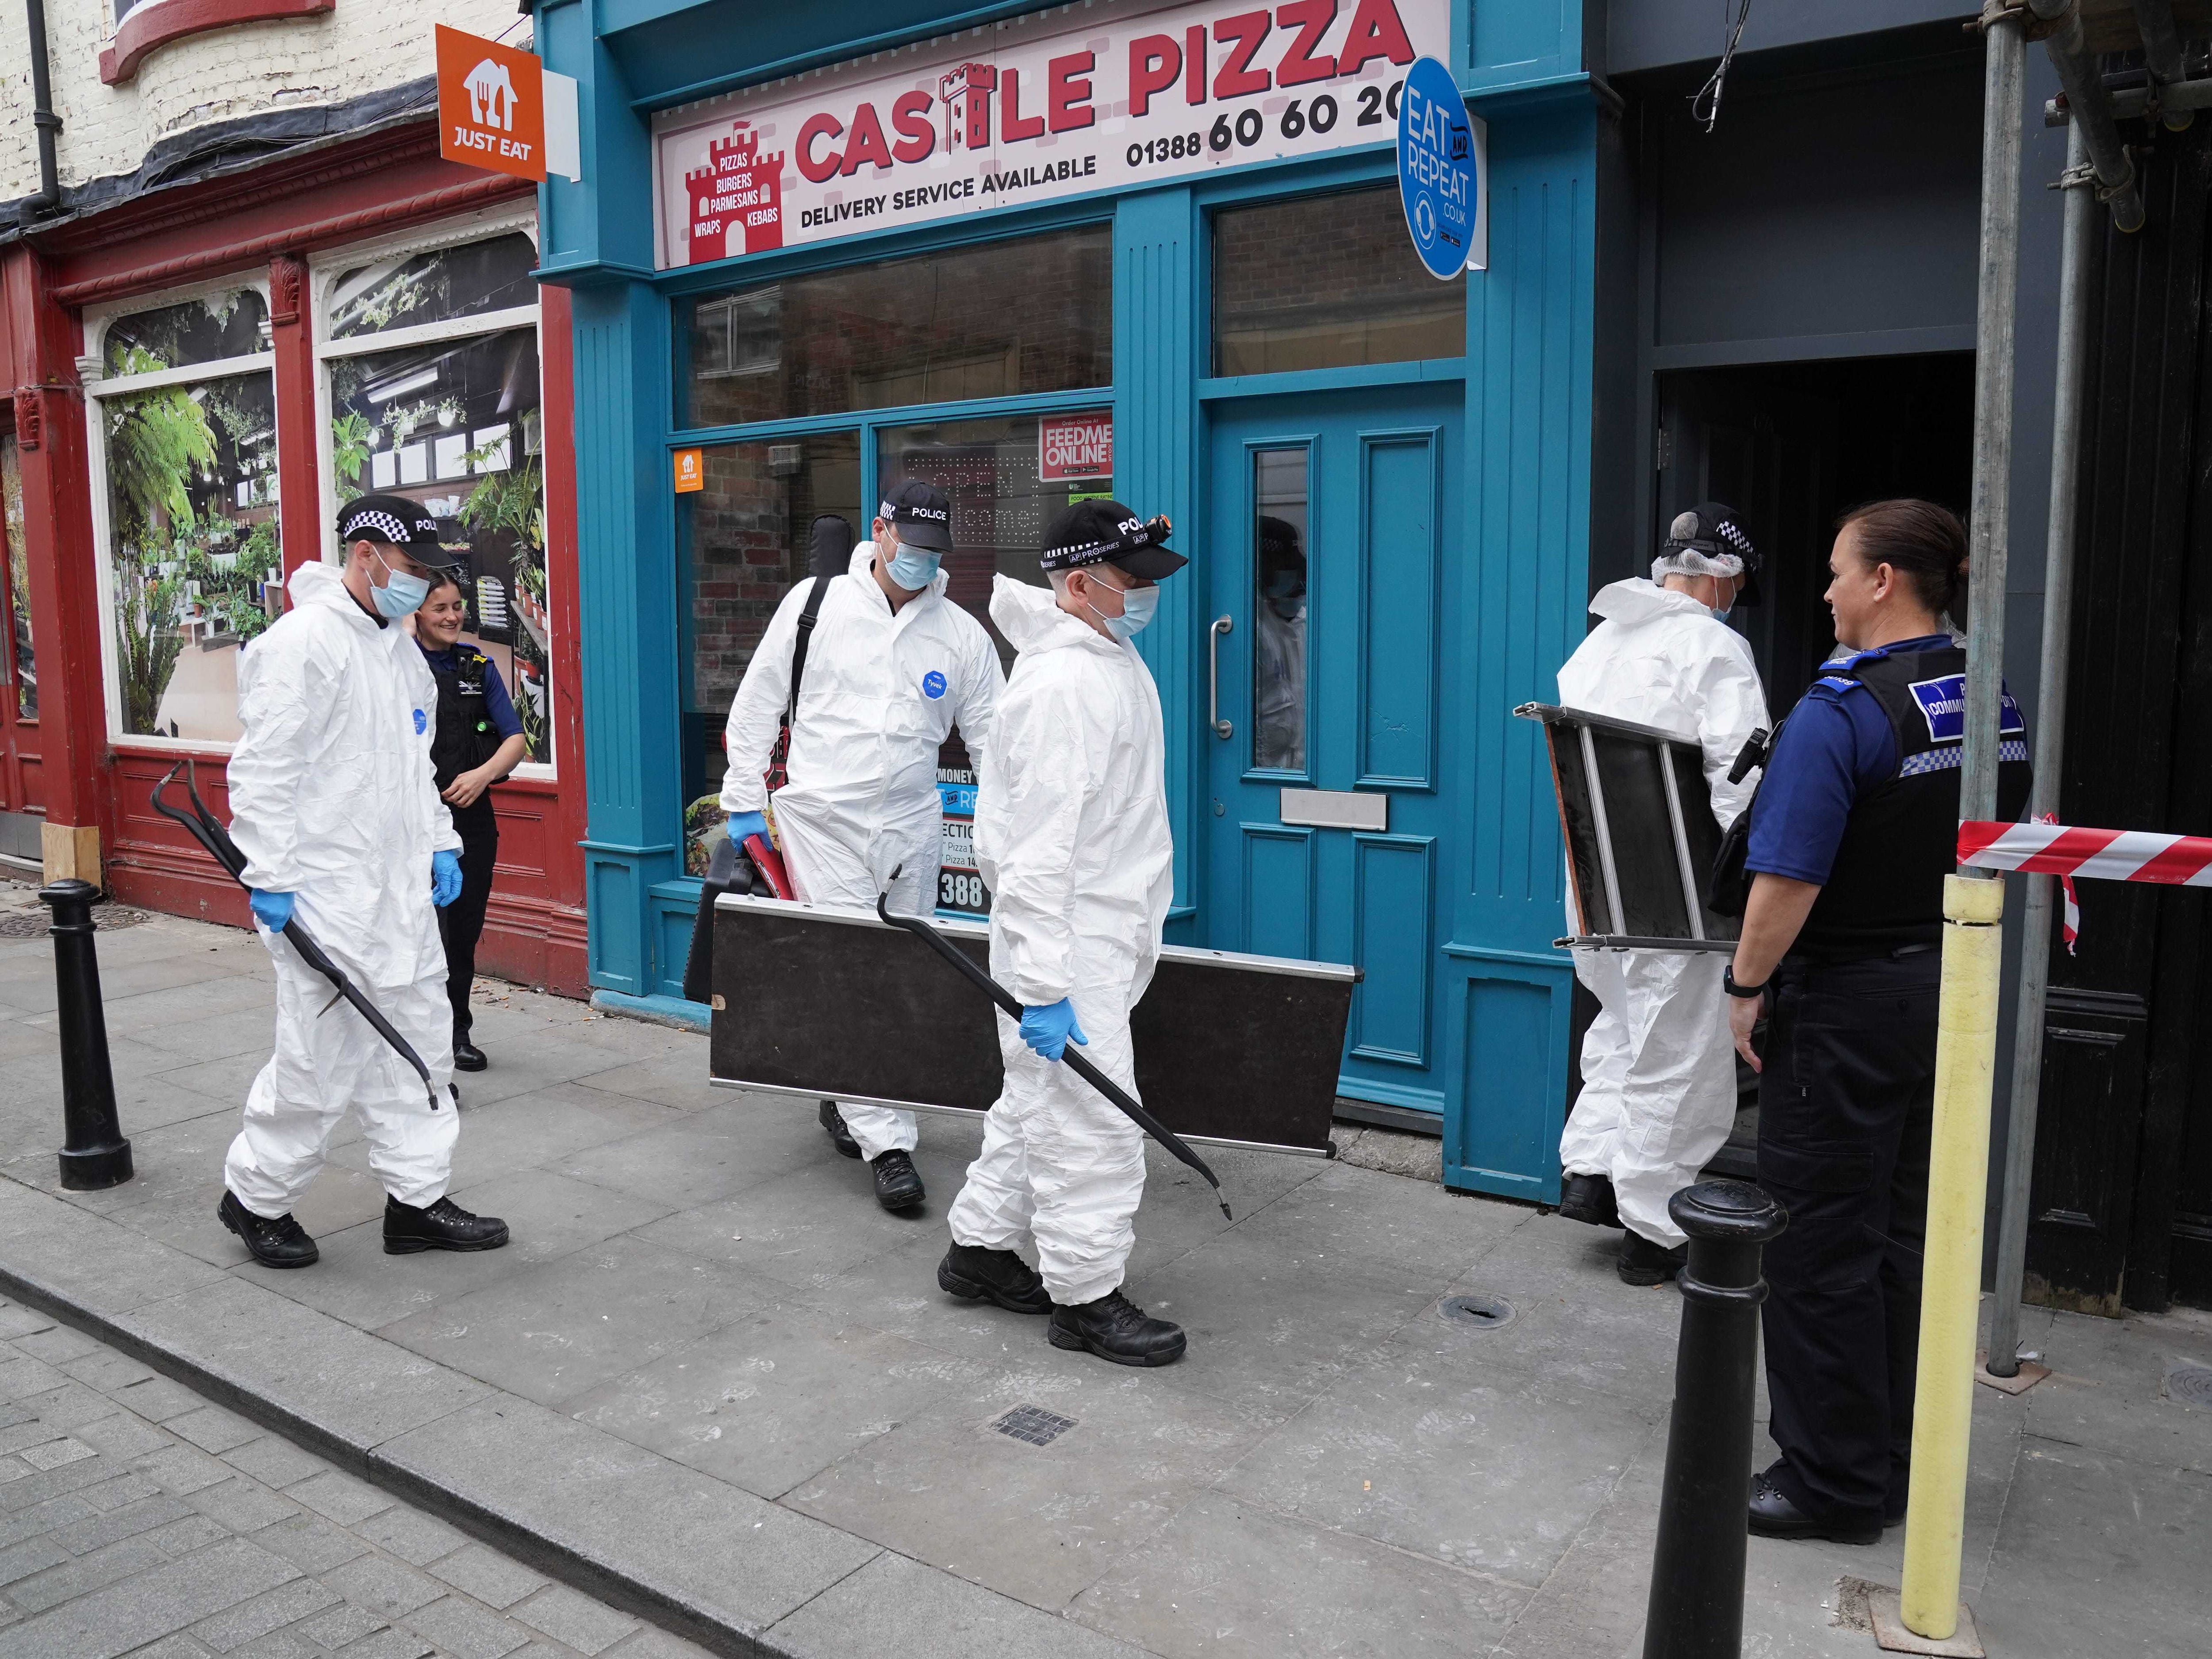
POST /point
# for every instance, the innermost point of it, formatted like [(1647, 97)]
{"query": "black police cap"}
[(396, 522), (922, 513), (1107, 532)]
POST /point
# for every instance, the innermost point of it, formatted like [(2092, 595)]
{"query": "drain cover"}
[(32, 923), (1034, 1425), (2190, 1384), (1479, 1312)]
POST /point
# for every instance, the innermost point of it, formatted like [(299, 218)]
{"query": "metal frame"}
[(778, 1091)]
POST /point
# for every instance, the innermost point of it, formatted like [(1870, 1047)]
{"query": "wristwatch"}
[(1746, 992)]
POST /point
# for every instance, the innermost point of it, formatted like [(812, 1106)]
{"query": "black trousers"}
[(1845, 1103), (461, 923)]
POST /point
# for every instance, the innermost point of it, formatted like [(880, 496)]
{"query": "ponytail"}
[(1923, 542)]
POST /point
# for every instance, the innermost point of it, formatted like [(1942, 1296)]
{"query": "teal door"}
[(1329, 838)]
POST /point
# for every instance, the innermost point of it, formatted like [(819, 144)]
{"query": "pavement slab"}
[(712, 1385)]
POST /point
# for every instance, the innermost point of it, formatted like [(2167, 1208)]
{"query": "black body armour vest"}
[(466, 737), (1885, 888)]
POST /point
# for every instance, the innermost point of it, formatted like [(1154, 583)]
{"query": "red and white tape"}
[(2057, 849)]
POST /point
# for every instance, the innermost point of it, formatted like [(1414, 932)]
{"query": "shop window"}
[(1280, 502), (996, 470), (19, 579), (439, 286), (1027, 315), (234, 323), (746, 534), (188, 493), (432, 371), (1327, 283)]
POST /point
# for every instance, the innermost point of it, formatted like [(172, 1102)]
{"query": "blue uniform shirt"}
[(1834, 747), (498, 708)]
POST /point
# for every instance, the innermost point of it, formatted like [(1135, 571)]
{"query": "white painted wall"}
[(245, 70)]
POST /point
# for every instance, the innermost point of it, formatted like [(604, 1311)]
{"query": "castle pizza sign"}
[(1117, 95)]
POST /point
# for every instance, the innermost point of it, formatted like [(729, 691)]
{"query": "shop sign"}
[(1123, 94), (1075, 447), (959, 884), (501, 109), (690, 471), (1442, 176)]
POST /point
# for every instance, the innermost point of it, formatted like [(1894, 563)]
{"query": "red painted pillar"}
[(60, 558), (299, 446)]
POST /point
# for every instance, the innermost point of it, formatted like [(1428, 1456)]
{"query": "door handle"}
[(1222, 728)]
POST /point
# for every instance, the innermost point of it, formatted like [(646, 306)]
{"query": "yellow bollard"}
[(1951, 1273)]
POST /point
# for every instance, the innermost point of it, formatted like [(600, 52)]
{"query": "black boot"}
[(444, 1225), (1114, 1327), (1773, 1516), (279, 1243), (467, 1057), (898, 1183), (1000, 1276), (840, 1136), (1588, 1198), (1643, 1262)]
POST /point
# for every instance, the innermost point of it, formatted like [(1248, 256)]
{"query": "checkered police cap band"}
[(1723, 536), (1133, 533), (385, 527)]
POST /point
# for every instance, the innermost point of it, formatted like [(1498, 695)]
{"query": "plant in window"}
[(353, 440)]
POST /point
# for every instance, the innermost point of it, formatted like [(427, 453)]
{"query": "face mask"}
[(400, 594), (1138, 606), (910, 568), (1290, 607)]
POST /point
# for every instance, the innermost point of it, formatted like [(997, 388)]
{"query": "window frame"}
[(323, 271), (98, 388)]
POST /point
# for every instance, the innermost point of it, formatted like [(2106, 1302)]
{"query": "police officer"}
[(478, 741), (892, 666), (1851, 833)]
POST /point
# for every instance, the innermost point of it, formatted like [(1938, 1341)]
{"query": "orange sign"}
[(690, 471), (491, 104)]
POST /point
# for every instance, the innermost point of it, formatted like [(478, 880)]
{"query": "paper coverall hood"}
[(1033, 622)]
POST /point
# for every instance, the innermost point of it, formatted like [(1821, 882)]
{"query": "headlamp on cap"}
[(1098, 531)]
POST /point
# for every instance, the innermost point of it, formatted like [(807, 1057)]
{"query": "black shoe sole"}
[(1591, 1217), (899, 1204), (1645, 1277), (464, 1066), (312, 1256), (415, 1246), (974, 1290), (1817, 1533), (1075, 1344)]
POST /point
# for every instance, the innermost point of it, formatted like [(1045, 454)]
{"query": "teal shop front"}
[(1035, 253)]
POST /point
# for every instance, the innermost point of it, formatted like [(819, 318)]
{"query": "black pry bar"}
[(206, 829), (1074, 1062)]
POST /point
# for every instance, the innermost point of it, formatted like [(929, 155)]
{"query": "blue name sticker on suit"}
[(422, 722), (933, 685), (1943, 705)]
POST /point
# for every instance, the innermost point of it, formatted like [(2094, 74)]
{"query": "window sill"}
[(154, 23)]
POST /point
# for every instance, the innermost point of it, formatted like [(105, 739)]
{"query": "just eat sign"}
[(501, 109)]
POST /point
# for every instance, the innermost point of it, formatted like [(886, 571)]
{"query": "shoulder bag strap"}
[(777, 775)]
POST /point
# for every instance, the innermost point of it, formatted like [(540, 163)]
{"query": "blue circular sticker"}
[(1437, 170), (933, 685), (422, 722)]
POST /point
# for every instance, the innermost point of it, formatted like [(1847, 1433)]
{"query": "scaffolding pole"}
[(2050, 754)]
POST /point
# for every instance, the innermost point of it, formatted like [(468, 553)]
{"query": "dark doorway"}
[(1791, 446)]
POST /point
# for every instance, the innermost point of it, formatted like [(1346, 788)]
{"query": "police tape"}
[(2058, 850)]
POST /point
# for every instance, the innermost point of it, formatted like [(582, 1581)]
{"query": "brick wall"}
[(246, 70)]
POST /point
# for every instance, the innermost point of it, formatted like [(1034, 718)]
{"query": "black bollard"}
[(1696, 1610), (94, 1153)]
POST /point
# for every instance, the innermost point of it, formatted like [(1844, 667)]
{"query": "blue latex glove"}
[(748, 823), (271, 910), (445, 877), (1050, 1028)]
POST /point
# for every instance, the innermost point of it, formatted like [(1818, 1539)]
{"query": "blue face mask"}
[(911, 568), (1719, 615), (400, 594), (1138, 605)]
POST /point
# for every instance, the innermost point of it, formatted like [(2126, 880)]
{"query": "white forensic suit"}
[(1658, 1094), (1072, 836), (331, 801), (882, 692)]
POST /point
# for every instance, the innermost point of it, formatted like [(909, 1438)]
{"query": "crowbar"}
[(1074, 1062), (206, 829)]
